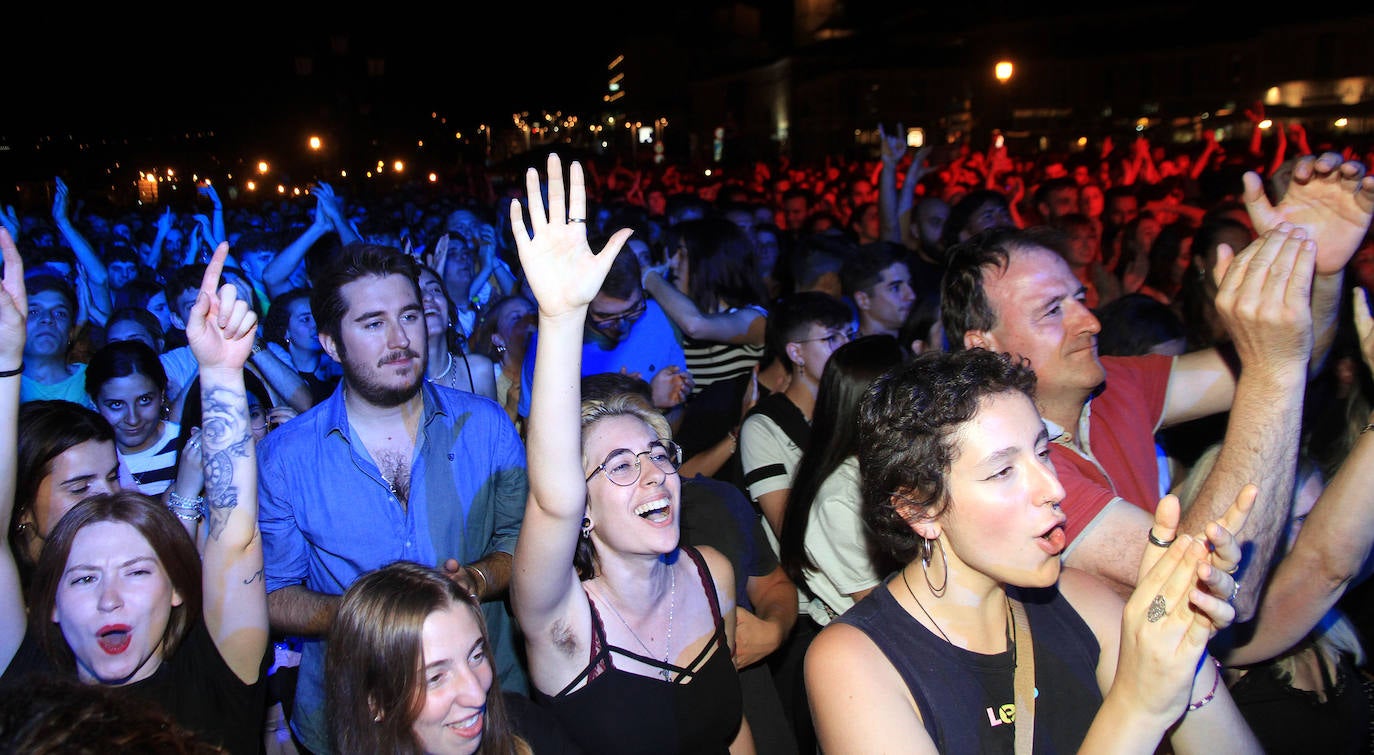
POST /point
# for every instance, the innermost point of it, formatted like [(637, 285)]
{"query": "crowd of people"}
[(946, 451)]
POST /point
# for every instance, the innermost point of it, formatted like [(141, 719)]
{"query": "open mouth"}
[(467, 728), (1055, 540), (655, 511), (115, 638)]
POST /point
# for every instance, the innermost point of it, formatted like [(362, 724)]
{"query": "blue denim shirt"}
[(651, 345), (327, 516)]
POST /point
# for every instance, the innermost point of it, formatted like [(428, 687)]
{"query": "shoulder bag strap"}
[(1024, 680)]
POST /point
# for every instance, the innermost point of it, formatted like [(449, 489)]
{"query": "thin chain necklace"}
[(672, 603), (1011, 628)]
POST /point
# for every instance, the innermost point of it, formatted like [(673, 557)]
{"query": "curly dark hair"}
[(907, 422)]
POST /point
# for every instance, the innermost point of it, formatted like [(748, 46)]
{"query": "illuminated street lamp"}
[(1003, 71), (315, 143)]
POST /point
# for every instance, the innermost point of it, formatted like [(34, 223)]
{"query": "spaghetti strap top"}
[(619, 712)]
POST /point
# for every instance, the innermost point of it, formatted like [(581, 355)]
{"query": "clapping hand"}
[(1163, 634), (1215, 584), (1331, 199)]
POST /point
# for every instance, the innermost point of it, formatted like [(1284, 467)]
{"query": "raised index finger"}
[(209, 282)]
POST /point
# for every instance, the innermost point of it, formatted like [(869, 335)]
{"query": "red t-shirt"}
[(1118, 427)]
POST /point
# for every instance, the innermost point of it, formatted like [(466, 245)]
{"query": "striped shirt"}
[(152, 470)]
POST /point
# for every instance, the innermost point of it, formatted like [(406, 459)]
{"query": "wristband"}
[(11, 373), (1210, 695)]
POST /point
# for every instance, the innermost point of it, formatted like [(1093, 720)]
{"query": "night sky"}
[(201, 63)]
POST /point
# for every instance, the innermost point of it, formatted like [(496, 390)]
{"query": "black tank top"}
[(620, 712), (1286, 719), (967, 700)]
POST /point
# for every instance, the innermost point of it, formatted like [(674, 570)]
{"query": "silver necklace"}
[(668, 645), (447, 367)]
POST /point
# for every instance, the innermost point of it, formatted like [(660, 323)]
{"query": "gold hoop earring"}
[(925, 566)]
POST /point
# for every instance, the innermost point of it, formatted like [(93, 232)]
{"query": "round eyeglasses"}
[(623, 467)]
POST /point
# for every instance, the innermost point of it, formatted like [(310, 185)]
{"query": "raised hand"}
[(61, 203), (208, 191), (221, 327), (14, 304), (562, 271), (1264, 297), (10, 220), (894, 146), (1331, 199)]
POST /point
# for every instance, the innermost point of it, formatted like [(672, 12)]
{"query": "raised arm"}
[(276, 275), (743, 325), (564, 275), (92, 267), (333, 207), (1263, 298), (14, 309), (216, 229), (894, 147), (220, 333), (1332, 550)]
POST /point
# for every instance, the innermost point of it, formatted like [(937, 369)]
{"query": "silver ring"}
[(1234, 591), (577, 220), (1157, 609), (1156, 541)]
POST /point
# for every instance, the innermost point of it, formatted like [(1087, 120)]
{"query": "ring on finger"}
[(577, 220), (1161, 543), (1235, 568), (1235, 590), (1157, 609)]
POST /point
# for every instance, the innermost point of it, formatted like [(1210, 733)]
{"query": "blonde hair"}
[(622, 404)]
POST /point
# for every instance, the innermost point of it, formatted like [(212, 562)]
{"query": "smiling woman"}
[(126, 381), (410, 670)]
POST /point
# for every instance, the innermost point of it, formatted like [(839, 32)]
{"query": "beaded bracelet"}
[(1210, 695)]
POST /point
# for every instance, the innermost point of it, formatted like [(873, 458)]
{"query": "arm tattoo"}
[(224, 425)]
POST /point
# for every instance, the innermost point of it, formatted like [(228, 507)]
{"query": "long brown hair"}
[(169, 540), (374, 664)]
